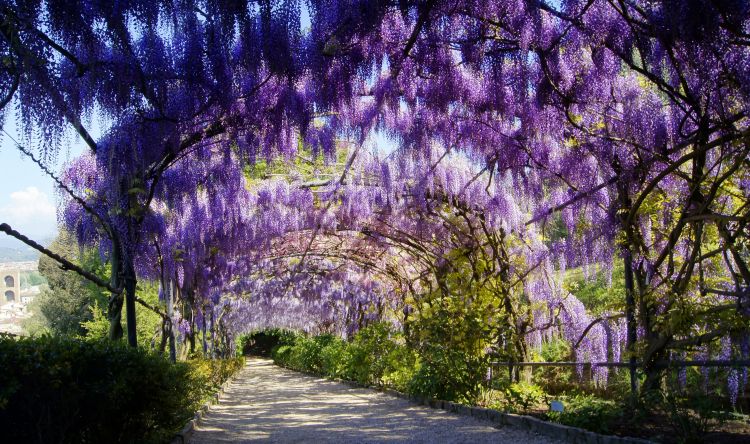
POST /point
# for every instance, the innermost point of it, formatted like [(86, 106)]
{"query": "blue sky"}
[(27, 195)]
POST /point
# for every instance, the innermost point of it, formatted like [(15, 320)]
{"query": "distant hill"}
[(18, 255), (12, 250)]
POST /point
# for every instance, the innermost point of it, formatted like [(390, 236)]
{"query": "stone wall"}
[(10, 286)]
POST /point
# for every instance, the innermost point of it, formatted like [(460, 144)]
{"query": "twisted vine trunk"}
[(630, 320), (627, 262), (123, 276), (203, 331), (130, 280), (114, 309), (170, 313)]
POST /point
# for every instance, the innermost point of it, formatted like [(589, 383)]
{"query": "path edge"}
[(572, 435), (184, 435)]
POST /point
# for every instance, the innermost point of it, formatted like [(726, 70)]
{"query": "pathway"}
[(272, 404)]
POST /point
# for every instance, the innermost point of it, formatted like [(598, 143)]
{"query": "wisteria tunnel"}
[(502, 203)]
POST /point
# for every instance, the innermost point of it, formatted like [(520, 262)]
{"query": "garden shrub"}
[(446, 373), (522, 396), (281, 355), (334, 358), (690, 414), (207, 375), (450, 336), (304, 355), (556, 380), (307, 355), (376, 355), (402, 364), (72, 391), (588, 412), (368, 353)]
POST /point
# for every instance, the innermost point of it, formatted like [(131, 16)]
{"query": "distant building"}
[(28, 294), (14, 302), (10, 286)]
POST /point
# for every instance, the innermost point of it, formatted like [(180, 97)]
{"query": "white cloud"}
[(30, 211)]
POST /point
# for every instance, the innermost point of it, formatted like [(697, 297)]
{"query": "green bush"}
[(334, 358), (375, 355), (207, 375), (305, 355), (368, 353), (588, 412), (450, 337), (446, 373), (556, 380), (282, 355), (66, 390), (522, 396), (402, 364), (691, 414)]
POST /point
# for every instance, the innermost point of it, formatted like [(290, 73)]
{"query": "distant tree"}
[(67, 301), (31, 279)]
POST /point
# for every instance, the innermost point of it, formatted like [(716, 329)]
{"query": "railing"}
[(658, 364)]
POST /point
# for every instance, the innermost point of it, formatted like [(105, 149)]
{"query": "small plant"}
[(522, 396), (588, 412), (369, 351), (282, 355), (207, 375), (691, 417)]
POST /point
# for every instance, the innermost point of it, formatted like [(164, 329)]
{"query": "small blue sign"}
[(556, 406)]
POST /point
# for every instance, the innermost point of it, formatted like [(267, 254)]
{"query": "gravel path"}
[(272, 404)]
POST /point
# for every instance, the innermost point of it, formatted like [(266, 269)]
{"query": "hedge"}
[(71, 391)]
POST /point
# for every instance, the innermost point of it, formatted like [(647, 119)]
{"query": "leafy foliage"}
[(69, 301), (369, 353), (65, 390), (32, 278), (451, 334), (604, 292), (588, 412), (375, 355), (207, 375)]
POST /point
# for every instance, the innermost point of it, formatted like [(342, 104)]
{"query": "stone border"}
[(184, 435), (570, 434)]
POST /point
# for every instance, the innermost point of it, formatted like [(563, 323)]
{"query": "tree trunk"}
[(203, 318), (213, 336), (164, 334), (114, 309), (632, 333), (170, 315), (627, 259), (130, 283)]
